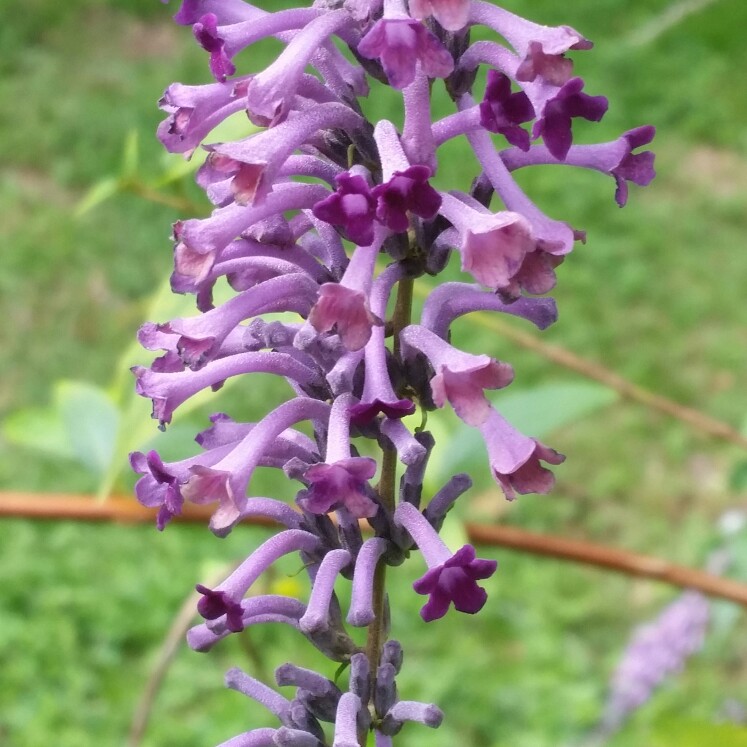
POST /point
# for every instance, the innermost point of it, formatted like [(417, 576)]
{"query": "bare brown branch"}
[(124, 510)]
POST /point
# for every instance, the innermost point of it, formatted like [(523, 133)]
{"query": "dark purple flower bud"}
[(407, 191), (352, 207), (215, 604), (385, 691), (502, 111), (206, 33), (450, 577), (392, 654), (570, 102), (400, 43), (359, 680), (515, 458), (451, 14)]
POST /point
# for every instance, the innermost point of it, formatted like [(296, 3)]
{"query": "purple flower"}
[(570, 102), (160, 487), (493, 246), (450, 578), (656, 651), (206, 33), (340, 484), (226, 481), (346, 311), (451, 14), (615, 158), (254, 162), (515, 458), (195, 110), (554, 69), (522, 33), (271, 92), (317, 614), (352, 207), (226, 598), (634, 167), (400, 43), (503, 111), (215, 604), (455, 581), (407, 191), (460, 378)]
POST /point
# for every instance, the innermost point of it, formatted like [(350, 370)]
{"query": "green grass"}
[(656, 294)]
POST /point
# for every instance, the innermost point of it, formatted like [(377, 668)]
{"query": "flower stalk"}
[(306, 210)]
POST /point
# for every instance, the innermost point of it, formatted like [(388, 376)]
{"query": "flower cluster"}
[(322, 218), (656, 651)]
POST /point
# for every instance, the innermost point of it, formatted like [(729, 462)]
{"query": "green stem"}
[(386, 490)]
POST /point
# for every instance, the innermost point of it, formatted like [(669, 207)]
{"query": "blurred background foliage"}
[(656, 294)]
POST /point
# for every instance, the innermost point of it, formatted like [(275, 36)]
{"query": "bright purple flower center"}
[(502, 111), (352, 207), (407, 191), (569, 103)]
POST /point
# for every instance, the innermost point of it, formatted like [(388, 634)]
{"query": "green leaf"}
[(100, 192), (91, 421), (543, 409), (40, 429), (130, 155)]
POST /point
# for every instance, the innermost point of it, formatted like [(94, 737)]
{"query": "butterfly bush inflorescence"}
[(324, 219)]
